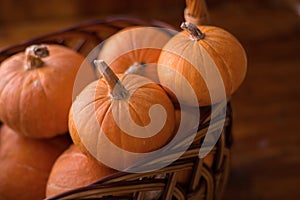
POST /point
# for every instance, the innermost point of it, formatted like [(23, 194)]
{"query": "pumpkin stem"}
[(137, 68), (193, 30), (117, 90), (34, 55), (196, 12)]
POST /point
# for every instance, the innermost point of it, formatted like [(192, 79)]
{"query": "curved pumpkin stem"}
[(117, 90), (196, 12), (34, 55), (193, 30), (137, 68)]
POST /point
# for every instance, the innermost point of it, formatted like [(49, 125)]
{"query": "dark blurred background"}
[(266, 151)]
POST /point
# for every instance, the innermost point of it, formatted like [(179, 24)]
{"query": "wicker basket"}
[(205, 182)]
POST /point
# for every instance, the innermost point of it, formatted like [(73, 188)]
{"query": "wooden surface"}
[(266, 151)]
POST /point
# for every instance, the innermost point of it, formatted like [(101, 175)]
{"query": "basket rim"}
[(92, 22)]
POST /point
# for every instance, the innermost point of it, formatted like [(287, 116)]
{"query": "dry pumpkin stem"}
[(117, 90), (193, 30), (137, 68), (34, 55), (196, 10), (195, 7)]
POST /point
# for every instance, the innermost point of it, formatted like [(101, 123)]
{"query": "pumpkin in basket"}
[(36, 89), (135, 50), (134, 113), (25, 164), (74, 169), (211, 59)]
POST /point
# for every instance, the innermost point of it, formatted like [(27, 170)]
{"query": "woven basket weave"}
[(204, 182)]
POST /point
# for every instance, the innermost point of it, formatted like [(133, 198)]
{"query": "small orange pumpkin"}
[(119, 107), (135, 50), (211, 59), (25, 164), (74, 169), (36, 89)]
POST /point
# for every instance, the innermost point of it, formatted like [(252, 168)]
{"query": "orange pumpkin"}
[(211, 59), (25, 164), (36, 89), (134, 113), (74, 169), (135, 50)]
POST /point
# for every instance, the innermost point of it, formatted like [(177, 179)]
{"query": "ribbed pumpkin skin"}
[(139, 46), (74, 169), (113, 115), (186, 56), (97, 99), (36, 102), (25, 164)]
